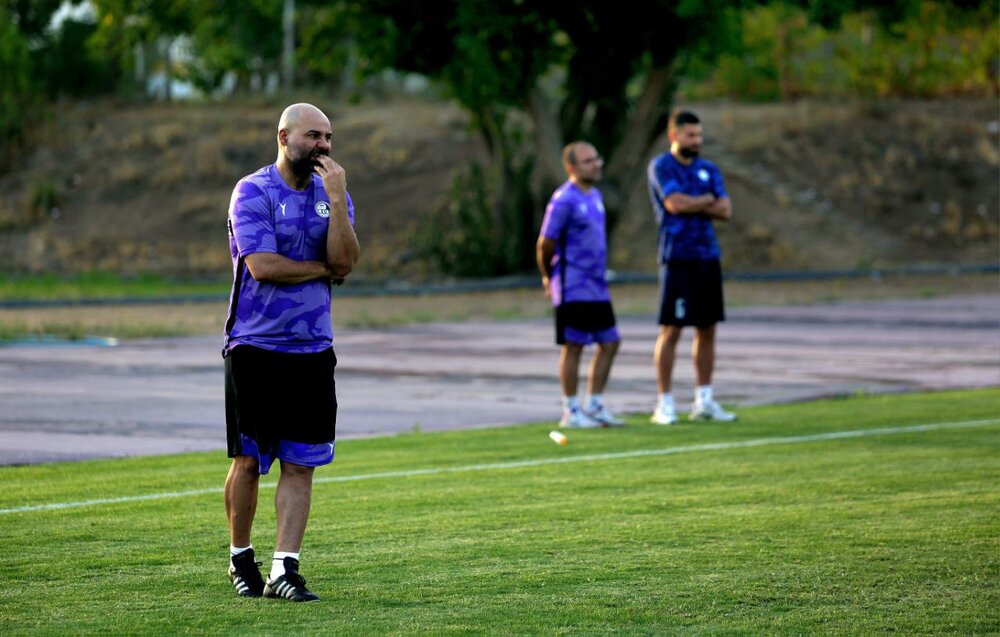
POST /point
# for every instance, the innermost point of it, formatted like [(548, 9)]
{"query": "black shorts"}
[(274, 397), (587, 321), (691, 293)]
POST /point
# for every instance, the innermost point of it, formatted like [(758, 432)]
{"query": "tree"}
[(600, 71), (61, 69), (152, 25), (242, 38), (22, 31), (31, 17), (16, 90)]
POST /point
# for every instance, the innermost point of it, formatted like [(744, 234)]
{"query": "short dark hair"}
[(569, 152), (681, 118)]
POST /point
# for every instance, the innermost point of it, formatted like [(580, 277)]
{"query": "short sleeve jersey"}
[(685, 236), (576, 222), (267, 215)]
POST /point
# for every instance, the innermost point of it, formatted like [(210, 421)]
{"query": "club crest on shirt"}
[(323, 209), (703, 174)]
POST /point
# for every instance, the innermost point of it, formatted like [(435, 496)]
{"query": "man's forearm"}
[(720, 209), (342, 248), (275, 268), (544, 251), (681, 204)]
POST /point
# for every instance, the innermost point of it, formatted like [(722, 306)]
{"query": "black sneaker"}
[(244, 573), (291, 585)]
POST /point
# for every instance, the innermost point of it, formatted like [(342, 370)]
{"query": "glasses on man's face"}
[(592, 160)]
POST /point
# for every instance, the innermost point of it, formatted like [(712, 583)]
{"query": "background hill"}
[(145, 188)]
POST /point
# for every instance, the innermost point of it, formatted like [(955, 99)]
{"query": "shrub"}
[(484, 229)]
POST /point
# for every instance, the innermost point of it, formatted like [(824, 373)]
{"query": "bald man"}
[(572, 258), (291, 235)]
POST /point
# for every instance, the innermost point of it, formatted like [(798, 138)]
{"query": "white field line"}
[(758, 442)]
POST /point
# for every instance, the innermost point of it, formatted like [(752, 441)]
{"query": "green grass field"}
[(778, 524), (105, 285)]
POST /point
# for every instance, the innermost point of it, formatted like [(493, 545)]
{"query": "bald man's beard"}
[(590, 179), (304, 165)]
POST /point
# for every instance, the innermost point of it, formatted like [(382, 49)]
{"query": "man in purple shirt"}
[(291, 234), (688, 196), (572, 257)]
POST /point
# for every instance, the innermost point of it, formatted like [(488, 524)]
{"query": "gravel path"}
[(160, 396)]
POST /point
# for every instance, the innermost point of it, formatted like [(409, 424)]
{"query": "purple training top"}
[(575, 221), (267, 215)]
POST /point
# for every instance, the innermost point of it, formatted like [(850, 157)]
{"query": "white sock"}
[(236, 550), (703, 394), (595, 402), (571, 403), (666, 400), (278, 563)]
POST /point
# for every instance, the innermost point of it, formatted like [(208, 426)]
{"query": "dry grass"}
[(153, 320)]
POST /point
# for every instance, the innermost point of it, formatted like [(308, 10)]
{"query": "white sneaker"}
[(605, 417), (711, 410), (576, 419), (664, 415)]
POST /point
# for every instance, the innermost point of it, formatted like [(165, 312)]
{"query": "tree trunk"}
[(288, 45), (628, 163), (548, 140), (168, 63)]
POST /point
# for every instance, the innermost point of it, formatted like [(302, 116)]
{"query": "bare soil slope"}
[(144, 188)]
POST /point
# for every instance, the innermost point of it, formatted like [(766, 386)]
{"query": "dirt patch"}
[(865, 184), (146, 189)]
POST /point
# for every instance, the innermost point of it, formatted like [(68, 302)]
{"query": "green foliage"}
[(326, 53), (500, 49), (242, 38), (96, 284), (43, 199), (63, 71), (124, 25), (938, 51), (499, 531), (17, 94), (32, 17), (933, 49), (475, 233)]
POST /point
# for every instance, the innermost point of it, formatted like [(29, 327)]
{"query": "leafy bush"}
[(63, 70), (780, 54), (479, 232), (44, 200), (16, 91)]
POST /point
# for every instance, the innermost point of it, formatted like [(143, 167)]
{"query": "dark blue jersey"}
[(684, 236)]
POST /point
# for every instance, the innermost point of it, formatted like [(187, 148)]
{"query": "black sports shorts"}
[(593, 317), (691, 293), (277, 396)]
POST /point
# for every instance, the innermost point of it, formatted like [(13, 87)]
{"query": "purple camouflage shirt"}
[(575, 221), (267, 215)]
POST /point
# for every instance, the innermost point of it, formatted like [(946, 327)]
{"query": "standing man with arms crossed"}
[(291, 234), (688, 195), (572, 257)]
